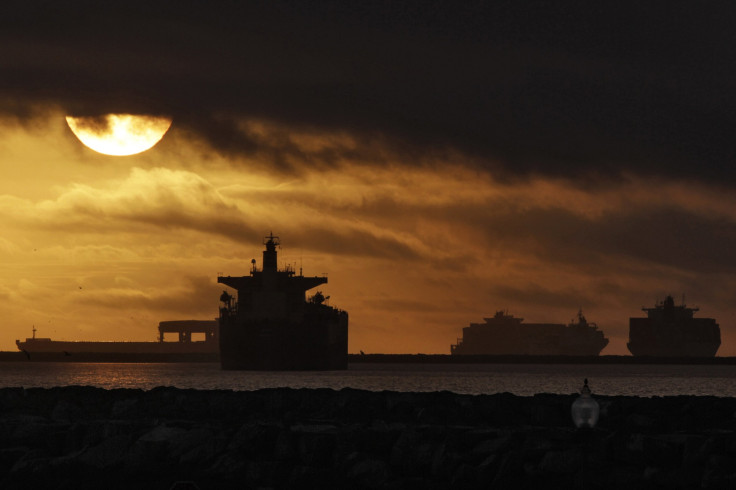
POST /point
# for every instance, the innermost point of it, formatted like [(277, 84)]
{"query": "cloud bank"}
[(579, 91)]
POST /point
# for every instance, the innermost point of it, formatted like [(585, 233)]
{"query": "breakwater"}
[(83, 437)]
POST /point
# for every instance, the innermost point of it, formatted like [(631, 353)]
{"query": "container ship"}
[(671, 331), (184, 349), (272, 325), (507, 335)]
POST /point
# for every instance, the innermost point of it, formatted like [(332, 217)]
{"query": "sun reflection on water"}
[(520, 379)]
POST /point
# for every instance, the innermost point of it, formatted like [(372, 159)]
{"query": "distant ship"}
[(34, 346), (671, 331), (272, 326), (506, 335)]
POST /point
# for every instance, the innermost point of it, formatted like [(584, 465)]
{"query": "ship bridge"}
[(270, 292)]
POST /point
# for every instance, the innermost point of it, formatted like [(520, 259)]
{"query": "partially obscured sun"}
[(119, 134)]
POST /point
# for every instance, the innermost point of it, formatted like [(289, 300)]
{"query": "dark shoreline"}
[(106, 357), (483, 359), (85, 438), (6, 356)]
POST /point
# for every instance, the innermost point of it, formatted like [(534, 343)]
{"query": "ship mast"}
[(269, 255)]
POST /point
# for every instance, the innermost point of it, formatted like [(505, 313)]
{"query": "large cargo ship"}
[(671, 331), (184, 347), (271, 325), (506, 335)]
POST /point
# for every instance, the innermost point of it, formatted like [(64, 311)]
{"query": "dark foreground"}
[(90, 438)]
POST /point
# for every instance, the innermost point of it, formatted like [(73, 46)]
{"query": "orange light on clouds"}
[(99, 251)]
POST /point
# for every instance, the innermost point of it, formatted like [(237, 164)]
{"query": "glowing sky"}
[(438, 165)]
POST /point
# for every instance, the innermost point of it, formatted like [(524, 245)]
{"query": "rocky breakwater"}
[(84, 438)]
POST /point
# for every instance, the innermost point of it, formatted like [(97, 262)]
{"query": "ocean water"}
[(519, 379)]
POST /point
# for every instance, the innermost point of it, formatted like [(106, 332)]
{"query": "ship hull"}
[(112, 357), (671, 336), (505, 335), (530, 349), (61, 347), (318, 342), (691, 349)]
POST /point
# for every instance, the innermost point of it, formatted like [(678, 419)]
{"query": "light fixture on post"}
[(585, 409)]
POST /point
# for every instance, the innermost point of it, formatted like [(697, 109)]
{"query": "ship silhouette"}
[(505, 334), (272, 326), (185, 349), (671, 331)]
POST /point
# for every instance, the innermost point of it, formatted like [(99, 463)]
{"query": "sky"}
[(439, 162)]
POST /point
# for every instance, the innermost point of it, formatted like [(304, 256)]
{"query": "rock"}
[(641, 421), (672, 477), (194, 446), (465, 476), (65, 411), (316, 448), (284, 448), (379, 438), (565, 461), (10, 456), (282, 438), (126, 407), (491, 446), (33, 461), (314, 428), (184, 485), (110, 452), (663, 451), (401, 451), (162, 433), (32, 431), (256, 440), (274, 473), (309, 477), (229, 464), (368, 473)]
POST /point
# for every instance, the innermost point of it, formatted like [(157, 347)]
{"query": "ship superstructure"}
[(505, 334), (271, 325), (671, 330)]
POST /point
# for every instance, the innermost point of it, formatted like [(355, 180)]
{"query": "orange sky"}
[(439, 163), (96, 247)]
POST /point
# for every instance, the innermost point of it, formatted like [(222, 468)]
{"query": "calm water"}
[(520, 379)]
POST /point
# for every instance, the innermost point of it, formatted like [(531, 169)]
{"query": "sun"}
[(119, 134)]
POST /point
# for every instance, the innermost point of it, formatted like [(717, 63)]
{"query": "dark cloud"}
[(660, 236), (625, 236), (196, 297), (351, 242), (565, 298), (579, 90)]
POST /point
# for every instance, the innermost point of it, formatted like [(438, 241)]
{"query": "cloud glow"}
[(414, 253)]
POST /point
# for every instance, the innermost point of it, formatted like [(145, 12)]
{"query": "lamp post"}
[(585, 409)]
